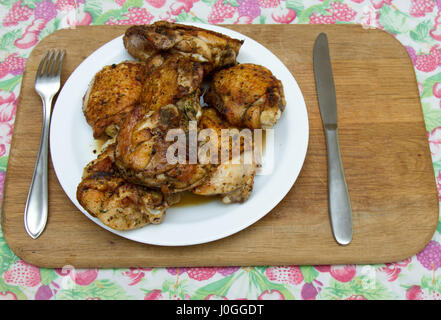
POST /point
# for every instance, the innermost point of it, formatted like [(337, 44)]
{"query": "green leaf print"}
[(393, 20), (421, 32), (319, 8), (233, 3), (3, 163), (47, 276), (4, 288), (309, 273), (432, 117), (375, 290), (10, 84), (103, 289), (428, 85), (117, 13), (30, 3), (130, 4), (296, 5), (218, 288), (94, 7), (261, 281), (7, 3), (7, 40), (209, 3), (51, 27), (7, 257)]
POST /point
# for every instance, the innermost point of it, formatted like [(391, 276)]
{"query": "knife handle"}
[(339, 203)]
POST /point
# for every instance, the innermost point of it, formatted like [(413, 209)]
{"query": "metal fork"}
[(47, 84)]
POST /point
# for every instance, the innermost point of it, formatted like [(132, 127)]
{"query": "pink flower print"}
[(182, 5), (17, 13), (8, 107), (284, 15), (201, 274), (226, 271), (66, 5), (154, 295), (414, 293), (290, 274), (176, 270), (85, 277), (248, 8), (7, 295), (321, 19), (2, 182), (221, 11), (323, 268), (214, 297), (22, 274), (30, 36), (244, 20), (135, 16), (136, 275), (379, 3), (5, 136), (309, 292), (435, 32), (80, 277), (343, 273), (430, 257), (156, 3), (419, 8), (271, 295), (342, 12), (46, 10), (268, 3), (435, 143)]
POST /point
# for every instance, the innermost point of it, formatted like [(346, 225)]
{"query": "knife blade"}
[(338, 196)]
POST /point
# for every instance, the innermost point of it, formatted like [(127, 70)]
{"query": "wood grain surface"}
[(384, 149)]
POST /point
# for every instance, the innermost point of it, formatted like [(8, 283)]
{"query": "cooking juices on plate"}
[(160, 141)]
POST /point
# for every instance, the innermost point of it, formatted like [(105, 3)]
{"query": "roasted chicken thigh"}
[(111, 95), (248, 95), (142, 151), (212, 49), (232, 179), (119, 204)]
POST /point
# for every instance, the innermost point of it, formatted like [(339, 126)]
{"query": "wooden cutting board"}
[(384, 149)]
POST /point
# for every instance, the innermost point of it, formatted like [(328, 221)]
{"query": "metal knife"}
[(338, 195)]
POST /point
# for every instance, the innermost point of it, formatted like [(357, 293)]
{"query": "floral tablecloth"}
[(415, 23)]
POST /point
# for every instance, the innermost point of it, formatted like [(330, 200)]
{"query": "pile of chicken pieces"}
[(134, 104)]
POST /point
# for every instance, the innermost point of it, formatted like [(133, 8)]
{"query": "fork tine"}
[(48, 64), (60, 63), (53, 68), (42, 62)]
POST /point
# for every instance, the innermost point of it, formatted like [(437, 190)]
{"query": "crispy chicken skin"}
[(111, 95), (169, 100), (141, 151), (248, 95), (214, 50), (119, 204), (233, 180), (168, 79)]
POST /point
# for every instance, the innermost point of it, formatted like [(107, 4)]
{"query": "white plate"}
[(72, 145)]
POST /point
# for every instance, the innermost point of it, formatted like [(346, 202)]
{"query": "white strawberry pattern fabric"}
[(415, 23)]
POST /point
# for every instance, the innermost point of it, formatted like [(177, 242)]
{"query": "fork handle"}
[(36, 210)]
